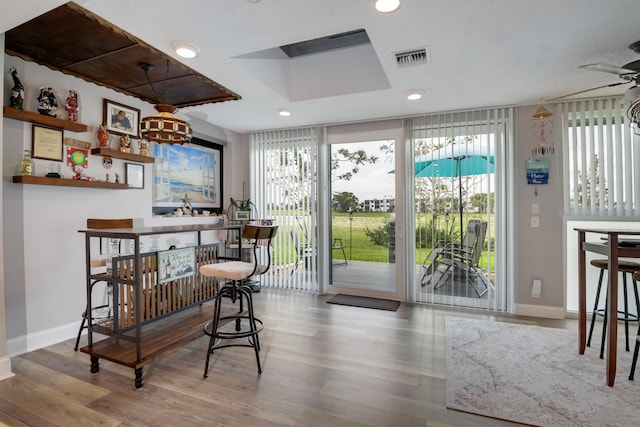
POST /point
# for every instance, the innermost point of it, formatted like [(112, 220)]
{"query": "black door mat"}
[(364, 302)]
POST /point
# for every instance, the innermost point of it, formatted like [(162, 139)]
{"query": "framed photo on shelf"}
[(47, 143), (121, 119), (134, 175)]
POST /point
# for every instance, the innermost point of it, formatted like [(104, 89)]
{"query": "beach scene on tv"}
[(181, 171)]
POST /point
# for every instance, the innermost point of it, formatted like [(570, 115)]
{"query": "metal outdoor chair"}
[(463, 257)]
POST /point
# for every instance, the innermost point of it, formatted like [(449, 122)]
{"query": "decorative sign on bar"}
[(175, 264)]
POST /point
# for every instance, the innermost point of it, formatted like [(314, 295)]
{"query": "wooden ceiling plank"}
[(109, 57)]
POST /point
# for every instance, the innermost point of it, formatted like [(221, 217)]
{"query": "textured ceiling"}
[(482, 53)]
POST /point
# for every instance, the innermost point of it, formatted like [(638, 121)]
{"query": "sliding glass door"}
[(363, 217)]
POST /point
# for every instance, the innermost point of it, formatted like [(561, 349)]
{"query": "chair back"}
[(481, 233), (471, 235), (102, 223), (260, 235)]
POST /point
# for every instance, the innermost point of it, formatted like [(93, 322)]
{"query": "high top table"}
[(614, 247)]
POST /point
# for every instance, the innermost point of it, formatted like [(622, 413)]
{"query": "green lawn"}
[(359, 247)]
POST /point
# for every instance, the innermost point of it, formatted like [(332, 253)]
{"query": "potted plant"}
[(243, 208)]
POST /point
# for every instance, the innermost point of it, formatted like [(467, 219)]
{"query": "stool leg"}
[(604, 324), (595, 308), (84, 320), (214, 330), (635, 356), (626, 310), (253, 339), (252, 319)]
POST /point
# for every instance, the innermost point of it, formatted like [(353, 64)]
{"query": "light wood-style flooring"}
[(323, 365)]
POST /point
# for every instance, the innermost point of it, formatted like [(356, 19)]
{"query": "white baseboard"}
[(540, 311), (5, 368), (40, 339)]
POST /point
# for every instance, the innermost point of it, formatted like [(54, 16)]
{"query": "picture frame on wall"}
[(121, 119), (134, 175), (192, 171), (47, 143)]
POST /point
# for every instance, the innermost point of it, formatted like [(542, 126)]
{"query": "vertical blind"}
[(448, 199), (283, 186), (600, 159)]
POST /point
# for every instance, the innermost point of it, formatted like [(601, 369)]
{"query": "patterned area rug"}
[(534, 375)]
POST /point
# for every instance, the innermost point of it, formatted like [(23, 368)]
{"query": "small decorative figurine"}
[(117, 179), (47, 102), (186, 207), (125, 144), (17, 92), (144, 147), (103, 135), (72, 106)]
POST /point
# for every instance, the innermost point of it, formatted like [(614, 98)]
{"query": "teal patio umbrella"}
[(455, 161)]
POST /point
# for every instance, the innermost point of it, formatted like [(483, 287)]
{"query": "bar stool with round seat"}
[(627, 268), (231, 330), (636, 277)]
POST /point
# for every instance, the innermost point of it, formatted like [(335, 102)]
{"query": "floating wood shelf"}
[(107, 152), (41, 119), (63, 182)]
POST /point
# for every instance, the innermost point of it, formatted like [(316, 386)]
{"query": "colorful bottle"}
[(26, 167)]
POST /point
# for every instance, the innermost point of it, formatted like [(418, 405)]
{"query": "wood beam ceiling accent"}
[(82, 44)]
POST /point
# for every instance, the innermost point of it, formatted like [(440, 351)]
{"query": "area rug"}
[(535, 376), (365, 302)]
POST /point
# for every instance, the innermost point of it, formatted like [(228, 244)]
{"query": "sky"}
[(373, 181)]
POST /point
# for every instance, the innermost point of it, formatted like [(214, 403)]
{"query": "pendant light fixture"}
[(165, 126)]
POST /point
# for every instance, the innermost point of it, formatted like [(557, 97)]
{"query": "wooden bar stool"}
[(627, 268), (236, 276)]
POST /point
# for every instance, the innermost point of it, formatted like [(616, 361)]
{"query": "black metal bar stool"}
[(636, 277), (626, 268), (236, 274)]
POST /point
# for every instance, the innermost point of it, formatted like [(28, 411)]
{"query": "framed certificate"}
[(47, 143), (134, 175)]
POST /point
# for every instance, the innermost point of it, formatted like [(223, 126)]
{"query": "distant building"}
[(377, 205)]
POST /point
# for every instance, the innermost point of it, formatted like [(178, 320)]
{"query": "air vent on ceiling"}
[(411, 58)]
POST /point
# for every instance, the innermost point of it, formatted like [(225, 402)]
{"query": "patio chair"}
[(464, 257), (430, 263)]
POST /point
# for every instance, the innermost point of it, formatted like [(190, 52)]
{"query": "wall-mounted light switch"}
[(535, 208), (535, 222)]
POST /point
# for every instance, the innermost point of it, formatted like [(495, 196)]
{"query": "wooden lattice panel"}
[(158, 300)]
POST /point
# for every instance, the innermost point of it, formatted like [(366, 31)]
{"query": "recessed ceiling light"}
[(414, 95), (386, 6), (185, 50), (284, 113)]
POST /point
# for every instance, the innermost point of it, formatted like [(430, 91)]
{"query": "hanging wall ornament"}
[(541, 127)]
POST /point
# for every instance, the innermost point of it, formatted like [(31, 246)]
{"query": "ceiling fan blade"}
[(608, 69), (587, 90)]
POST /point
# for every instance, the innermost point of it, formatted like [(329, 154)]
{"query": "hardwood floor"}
[(323, 365)]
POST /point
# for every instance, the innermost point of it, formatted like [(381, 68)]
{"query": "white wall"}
[(5, 362), (538, 251), (44, 253)]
